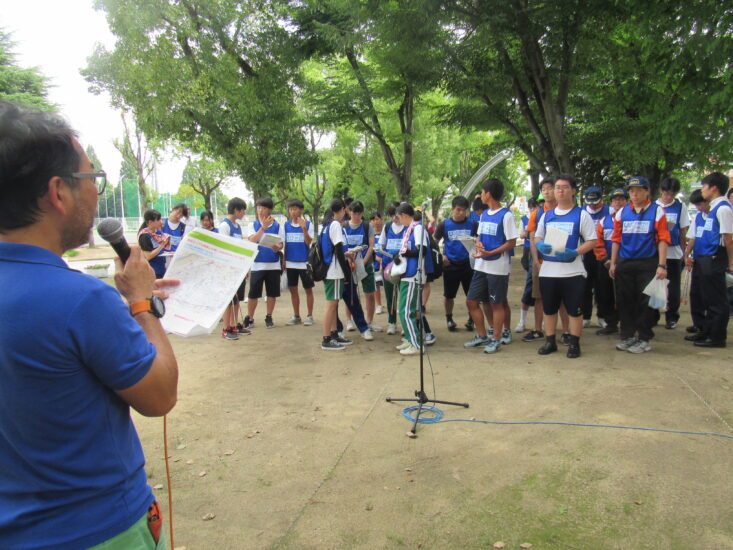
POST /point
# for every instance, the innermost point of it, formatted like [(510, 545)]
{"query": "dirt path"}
[(293, 448)]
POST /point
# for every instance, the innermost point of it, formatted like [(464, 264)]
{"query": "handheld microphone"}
[(111, 231)]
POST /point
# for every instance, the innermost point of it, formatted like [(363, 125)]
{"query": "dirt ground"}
[(289, 447)]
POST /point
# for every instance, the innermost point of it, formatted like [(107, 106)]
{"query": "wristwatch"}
[(153, 305), (663, 266)]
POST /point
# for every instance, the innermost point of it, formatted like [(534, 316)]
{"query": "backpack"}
[(437, 258), (317, 267)]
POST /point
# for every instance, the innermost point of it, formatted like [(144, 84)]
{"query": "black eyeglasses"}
[(100, 174)]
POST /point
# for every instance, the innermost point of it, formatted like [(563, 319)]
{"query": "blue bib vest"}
[(295, 248), (491, 231), (394, 240), (235, 230), (673, 213), (412, 262), (525, 221), (698, 245), (608, 233), (709, 241), (603, 212), (326, 244), (569, 223), (157, 263), (638, 231), (176, 234), (266, 254), (453, 248), (356, 237)]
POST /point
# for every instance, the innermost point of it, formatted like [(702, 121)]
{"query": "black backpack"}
[(317, 267)]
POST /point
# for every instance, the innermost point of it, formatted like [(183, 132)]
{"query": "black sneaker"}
[(452, 325), (341, 340), (573, 351), (268, 321), (243, 331), (565, 339), (248, 322), (692, 329), (670, 325), (329, 344), (469, 325), (229, 334), (533, 335), (547, 348)]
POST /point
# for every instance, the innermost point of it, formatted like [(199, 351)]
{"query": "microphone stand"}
[(421, 398)]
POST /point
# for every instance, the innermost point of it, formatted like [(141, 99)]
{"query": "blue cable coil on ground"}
[(437, 418)]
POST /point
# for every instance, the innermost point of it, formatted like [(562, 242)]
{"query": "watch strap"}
[(140, 306)]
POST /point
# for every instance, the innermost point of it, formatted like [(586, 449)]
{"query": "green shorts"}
[(138, 536), (368, 283), (334, 288)]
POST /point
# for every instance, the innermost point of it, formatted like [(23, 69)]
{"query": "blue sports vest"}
[(608, 233), (157, 263), (525, 221), (295, 248), (454, 250), (603, 212), (570, 223), (394, 240), (326, 244), (176, 235), (235, 230), (673, 212), (697, 245), (266, 254), (491, 231), (709, 242), (356, 237), (412, 262), (637, 232)]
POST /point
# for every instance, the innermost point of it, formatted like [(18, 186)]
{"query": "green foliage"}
[(25, 86), (204, 177)]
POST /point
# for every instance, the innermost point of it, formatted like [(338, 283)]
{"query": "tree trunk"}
[(381, 200), (534, 178)]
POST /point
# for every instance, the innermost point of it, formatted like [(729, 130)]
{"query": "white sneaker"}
[(379, 310), (602, 322), (430, 338), (308, 321), (520, 327), (640, 347), (410, 350), (367, 335), (350, 326), (294, 320), (586, 323), (402, 345), (391, 328), (375, 328)]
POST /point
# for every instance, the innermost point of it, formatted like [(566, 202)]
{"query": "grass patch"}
[(70, 253)]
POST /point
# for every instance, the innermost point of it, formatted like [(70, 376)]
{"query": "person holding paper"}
[(297, 241), (267, 268), (638, 255), (153, 242), (497, 235), (457, 270), (678, 220), (598, 210), (236, 208), (390, 241), (360, 233), (562, 274)]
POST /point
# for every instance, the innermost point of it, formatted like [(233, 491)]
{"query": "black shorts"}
[(302, 274), (455, 277), (566, 290), (271, 280), (488, 288), (239, 296)]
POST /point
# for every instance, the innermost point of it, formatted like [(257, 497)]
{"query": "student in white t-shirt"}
[(562, 274), (229, 226)]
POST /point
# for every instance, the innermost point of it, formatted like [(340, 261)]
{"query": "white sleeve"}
[(307, 229), (420, 236), (335, 233), (248, 230), (383, 237), (725, 219), (691, 229), (224, 229), (510, 227), (281, 231), (540, 231), (684, 220), (587, 227)]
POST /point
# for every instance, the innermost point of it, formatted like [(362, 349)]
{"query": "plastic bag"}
[(394, 272), (657, 292)]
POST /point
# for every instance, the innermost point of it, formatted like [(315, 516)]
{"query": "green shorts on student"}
[(334, 288)]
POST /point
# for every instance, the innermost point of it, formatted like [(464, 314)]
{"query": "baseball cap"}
[(619, 192), (593, 195), (639, 181)]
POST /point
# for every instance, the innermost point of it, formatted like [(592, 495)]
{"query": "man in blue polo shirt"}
[(71, 466)]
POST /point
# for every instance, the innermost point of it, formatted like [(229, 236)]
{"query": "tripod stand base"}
[(421, 399)]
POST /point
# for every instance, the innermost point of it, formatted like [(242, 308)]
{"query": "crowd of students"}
[(606, 255)]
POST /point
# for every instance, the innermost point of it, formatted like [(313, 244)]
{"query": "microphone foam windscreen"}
[(111, 230)]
